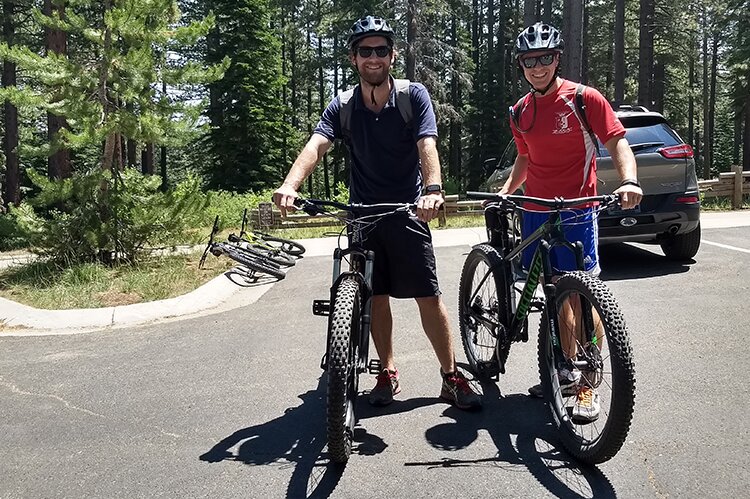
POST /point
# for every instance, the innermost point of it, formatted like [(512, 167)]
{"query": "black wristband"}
[(432, 188), (630, 181)]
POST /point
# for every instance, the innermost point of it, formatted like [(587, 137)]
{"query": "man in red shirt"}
[(557, 157)]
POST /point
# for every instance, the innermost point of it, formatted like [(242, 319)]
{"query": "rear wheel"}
[(344, 327), (602, 353), (289, 247), (483, 310), (682, 247), (253, 263)]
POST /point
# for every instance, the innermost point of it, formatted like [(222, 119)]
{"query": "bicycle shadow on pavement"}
[(622, 261), (297, 437), (533, 450), (247, 279)]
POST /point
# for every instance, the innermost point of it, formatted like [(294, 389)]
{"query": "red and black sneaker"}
[(457, 390), (386, 387)]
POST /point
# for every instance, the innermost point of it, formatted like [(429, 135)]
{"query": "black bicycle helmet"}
[(369, 26), (540, 36)]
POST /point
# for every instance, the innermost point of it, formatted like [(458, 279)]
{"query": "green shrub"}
[(95, 216)]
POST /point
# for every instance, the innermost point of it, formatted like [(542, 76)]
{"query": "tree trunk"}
[(746, 137), (454, 134), (691, 98), (547, 12), (321, 99), (147, 159), (12, 188), (704, 135), (646, 52), (712, 102), (573, 36), (658, 86), (411, 38), (529, 12), (619, 56), (58, 163)]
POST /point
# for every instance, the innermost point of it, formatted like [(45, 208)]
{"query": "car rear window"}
[(647, 139)]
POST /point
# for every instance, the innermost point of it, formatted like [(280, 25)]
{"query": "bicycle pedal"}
[(374, 367), (321, 307), (537, 305)]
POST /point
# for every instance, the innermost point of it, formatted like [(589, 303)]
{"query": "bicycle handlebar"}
[(556, 203), (315, 206)]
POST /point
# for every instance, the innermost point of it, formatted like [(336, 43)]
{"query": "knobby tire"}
[(344, 327), (253, 263), (596, 442), (289, 247), (480, 340)]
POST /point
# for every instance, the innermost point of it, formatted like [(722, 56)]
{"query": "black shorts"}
[(404, 257)]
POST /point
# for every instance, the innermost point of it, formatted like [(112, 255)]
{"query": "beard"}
[(376, 77)]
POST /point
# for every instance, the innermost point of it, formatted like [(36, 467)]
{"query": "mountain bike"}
[(348, 311), (495, 302), (256, 264)]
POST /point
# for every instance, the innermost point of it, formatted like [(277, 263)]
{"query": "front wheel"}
[(288, 246), (343, 333), (483, 310), (593, 342)]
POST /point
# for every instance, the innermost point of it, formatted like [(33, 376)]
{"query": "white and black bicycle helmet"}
[(369, 26), (540, 36)]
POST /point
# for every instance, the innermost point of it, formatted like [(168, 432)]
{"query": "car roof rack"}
[(633, 107)]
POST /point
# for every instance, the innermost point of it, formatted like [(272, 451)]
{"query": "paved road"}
[(231, 404)]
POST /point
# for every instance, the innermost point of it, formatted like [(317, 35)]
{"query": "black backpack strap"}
[(581, 108), (516, 110), (403, 100), (345, 113)]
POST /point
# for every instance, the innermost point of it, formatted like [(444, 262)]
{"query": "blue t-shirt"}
[(385, 166)]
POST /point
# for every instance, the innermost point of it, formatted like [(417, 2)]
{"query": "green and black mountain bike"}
[(496, 297)]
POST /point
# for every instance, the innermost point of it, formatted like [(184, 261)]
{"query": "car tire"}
[(682, 247)]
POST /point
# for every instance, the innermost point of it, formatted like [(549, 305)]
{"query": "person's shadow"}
[(299, 437), (535, 448)]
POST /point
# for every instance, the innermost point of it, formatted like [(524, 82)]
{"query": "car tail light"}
[(682, 151), (687, 199)]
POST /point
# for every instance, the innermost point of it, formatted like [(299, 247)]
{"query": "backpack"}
[(403, 103), (580, 108)]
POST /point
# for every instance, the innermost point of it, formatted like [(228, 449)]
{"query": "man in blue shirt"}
[(392, 162)]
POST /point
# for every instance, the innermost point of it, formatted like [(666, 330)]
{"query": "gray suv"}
[(669, 214)]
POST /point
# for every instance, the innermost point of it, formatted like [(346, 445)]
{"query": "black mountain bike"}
[(254, 263), (348, 311), (494, 305)]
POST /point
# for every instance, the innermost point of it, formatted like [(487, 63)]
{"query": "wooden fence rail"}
[(733, 184)]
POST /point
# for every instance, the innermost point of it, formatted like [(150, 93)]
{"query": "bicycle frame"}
[(549, 235)]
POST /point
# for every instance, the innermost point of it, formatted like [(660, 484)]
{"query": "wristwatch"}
[(432, 188), (630, 181)]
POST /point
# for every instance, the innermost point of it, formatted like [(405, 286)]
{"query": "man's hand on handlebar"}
[(428, 206), (284, 198), (630, 196)]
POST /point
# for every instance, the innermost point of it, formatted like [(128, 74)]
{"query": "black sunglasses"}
[(531, 62), (366, 52)]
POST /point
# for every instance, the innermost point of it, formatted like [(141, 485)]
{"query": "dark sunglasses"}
[(366, 52), (531, 62)]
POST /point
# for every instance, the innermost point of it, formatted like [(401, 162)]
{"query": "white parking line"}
[(725, 246)]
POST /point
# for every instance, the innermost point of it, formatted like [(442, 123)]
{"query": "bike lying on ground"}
[(348, 311), (494, 305), (254, 263)]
